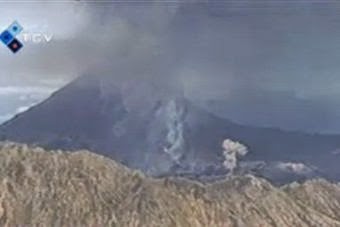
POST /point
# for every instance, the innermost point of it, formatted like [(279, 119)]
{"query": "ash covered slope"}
[(50, 188), (156, 129), (139, 124)]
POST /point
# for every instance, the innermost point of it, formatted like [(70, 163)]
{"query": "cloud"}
[(16, 99), (19, 109), (215, 49), (16, 108), (5, 117), (210, 49), (19, 90), (38, 61), (297, 168)]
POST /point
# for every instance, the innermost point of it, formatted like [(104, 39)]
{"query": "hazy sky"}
[(273, 63)]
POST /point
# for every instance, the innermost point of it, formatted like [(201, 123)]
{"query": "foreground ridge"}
[(54, 188)]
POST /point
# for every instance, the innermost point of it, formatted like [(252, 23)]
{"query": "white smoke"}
[(174, 138), (232, 151), (294, 167)]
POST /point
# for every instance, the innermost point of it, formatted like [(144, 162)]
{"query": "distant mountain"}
[(156, 129), (49, 188), (276, 109)]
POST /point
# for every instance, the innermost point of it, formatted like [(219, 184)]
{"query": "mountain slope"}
[(53, 188), (156, 129)]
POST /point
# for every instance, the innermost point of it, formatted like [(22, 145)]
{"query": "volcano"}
[(157, 130)]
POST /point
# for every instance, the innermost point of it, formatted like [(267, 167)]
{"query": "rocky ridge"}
[(54, 188)]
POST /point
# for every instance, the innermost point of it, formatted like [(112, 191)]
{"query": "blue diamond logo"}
[(15, 28), (15, 45), (6, 37)]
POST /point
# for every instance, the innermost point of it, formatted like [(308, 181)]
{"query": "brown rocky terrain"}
[(53, 188)]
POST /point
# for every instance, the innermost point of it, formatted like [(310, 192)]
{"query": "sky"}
[(266, 63)]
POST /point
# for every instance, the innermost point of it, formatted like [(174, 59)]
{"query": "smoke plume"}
[(232, 152)]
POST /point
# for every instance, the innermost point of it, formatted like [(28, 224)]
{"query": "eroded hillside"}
[(51, 188)]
